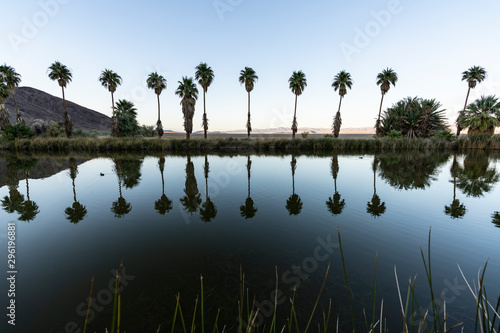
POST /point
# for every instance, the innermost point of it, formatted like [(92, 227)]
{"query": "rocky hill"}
[(36, 104)]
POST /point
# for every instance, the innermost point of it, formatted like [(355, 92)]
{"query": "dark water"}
[(172, 218)]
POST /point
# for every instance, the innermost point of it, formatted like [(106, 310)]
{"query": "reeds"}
[(136, 144), (414, 317)]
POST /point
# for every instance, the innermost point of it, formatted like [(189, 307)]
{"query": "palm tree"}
[(12, 80), (189, 93), (297, 84), (164, 204), (111, 80), (192, 200), (384, 80), (248, 210), (62, 74), (414, 117), (341, 82), (335, 204), (77, 211), (456, 209), (208, 211), (248, 77), (205, 76), (4, 115), (375, 208), (294, 203), (126, 114), (482, 116), (473, 75), (158, 83)]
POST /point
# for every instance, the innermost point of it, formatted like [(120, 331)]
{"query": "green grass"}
[(313, 144)]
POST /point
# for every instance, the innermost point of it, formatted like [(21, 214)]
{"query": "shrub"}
[(147, 131), (444, 136), (18, 131), (328, 136), (304, 134), (55, 130), (395, 134)]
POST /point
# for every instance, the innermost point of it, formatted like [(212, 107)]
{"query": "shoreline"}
[(254, 144)]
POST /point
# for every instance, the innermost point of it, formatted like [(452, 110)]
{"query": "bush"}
[(304, 134), (18, 131), (55, 130), (328, 136), (395, 134), (147, 131), (444, 136)]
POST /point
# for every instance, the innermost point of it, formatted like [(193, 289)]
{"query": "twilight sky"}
[(428, 43)]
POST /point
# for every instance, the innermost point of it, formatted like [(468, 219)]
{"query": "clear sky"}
[(428, 43)]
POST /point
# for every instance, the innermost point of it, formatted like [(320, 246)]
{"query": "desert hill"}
[(36, 104)]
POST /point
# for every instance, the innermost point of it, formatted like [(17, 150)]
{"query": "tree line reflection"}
[(474, 176)]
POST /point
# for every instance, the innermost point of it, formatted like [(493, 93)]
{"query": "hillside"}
[(36, 104)]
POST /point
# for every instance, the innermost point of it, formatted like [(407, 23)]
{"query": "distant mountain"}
[(36, 104), (311, 130)]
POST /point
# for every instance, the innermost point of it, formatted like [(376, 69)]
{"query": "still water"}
[(170, 219)]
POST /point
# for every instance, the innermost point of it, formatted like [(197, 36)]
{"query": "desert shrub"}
[(18, 131)]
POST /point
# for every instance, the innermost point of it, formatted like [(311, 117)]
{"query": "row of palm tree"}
[(188, 92)]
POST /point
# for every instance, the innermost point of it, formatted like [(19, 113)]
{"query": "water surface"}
[(170, 219)]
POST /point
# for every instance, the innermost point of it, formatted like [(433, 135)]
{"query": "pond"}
[(170, 219)]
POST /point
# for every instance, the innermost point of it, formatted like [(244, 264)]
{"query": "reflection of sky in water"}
[(167, 252)]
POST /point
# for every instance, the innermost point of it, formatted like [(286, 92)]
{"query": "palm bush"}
[(482, 116), (414, 117), (126, 114)]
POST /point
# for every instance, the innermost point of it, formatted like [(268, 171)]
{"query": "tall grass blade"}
[(202, 310), (115, 303), (317, 299), (346, 282), (88, 309)]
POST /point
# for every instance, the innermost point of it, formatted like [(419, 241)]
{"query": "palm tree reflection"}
[(15, 202), (335, 204), (375, 207), (77, 211), (476, 177), (456, 209), (294, 203), (192, 200), (208, 211), (129, 175), (495, 219), (248, 210), (164, 204)]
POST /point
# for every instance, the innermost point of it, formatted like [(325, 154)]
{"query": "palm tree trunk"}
[(19, 119), (374, 182), (294, 122), (158, 98), (249, 127), (249, 166), (459, 128), (74, 190), (159, 127), (338, 121), (162, 184), (114, 120), (377, 125), (67, 122), (205, 121)]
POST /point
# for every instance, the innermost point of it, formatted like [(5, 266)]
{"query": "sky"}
[(428, 43)]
